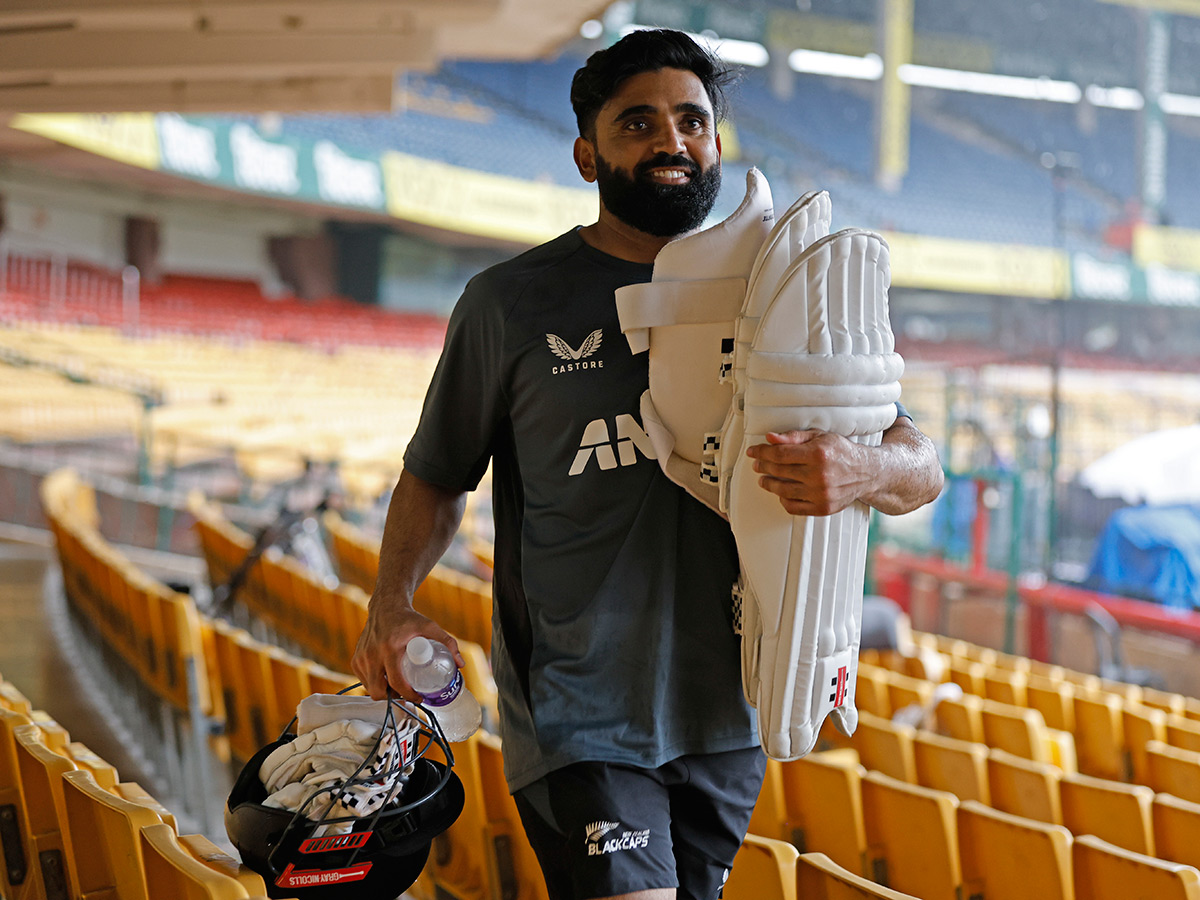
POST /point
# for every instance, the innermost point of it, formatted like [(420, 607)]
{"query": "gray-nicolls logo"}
[(575, 359), (597, 442)]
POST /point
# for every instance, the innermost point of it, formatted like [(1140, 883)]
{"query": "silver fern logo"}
[(563, 350), (598, 844), (597, 830)]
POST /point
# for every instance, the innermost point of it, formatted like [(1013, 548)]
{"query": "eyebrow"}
[(694, 108)]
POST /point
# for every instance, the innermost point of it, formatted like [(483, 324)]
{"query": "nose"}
[(670, 141)]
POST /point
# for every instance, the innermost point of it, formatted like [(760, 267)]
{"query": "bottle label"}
[(446, 696)]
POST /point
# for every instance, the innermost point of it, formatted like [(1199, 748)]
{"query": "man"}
[(631, 752)]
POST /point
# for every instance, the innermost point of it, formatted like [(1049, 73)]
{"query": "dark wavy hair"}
[(644, 51)]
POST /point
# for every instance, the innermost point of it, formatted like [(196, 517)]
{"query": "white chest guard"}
[(807, 345)]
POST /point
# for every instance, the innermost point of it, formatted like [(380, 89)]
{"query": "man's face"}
[(656, 157)]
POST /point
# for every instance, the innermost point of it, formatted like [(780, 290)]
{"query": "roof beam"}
[(372, 93), (24, 12), (72, 57)]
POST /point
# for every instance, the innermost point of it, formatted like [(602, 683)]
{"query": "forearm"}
[(421, 522), (905, 470)]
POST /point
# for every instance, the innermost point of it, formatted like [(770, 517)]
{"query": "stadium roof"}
[(252, 55)]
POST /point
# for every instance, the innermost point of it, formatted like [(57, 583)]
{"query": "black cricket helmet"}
[(376, 856)]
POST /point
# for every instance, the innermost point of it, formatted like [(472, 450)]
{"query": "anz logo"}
[(597, 443)]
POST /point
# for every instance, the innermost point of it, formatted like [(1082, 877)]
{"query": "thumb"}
[(790, 437)]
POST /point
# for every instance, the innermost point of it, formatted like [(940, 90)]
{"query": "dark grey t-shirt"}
[(612, 635)]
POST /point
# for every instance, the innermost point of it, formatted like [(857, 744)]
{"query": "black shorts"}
[(602, 829)]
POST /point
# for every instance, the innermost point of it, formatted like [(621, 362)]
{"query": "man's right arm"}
[(421, 522)]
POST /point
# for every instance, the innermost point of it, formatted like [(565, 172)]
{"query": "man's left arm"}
[(816, 473)]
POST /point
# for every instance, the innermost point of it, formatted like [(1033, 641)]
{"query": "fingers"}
[(800, 499)]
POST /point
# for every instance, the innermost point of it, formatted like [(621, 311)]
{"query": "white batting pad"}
[(685, 317), (822, 357)]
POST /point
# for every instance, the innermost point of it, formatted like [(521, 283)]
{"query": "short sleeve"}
[(465, 401)]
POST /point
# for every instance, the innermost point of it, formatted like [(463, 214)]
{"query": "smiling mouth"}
[(669, 176)]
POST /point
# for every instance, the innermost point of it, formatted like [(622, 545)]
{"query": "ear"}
[(585, 159), (718, 145)]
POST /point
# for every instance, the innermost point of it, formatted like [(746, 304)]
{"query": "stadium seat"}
[(290, 677), (459, 861), (1112, 811), (961, 718), (513, 866), (1025, 788), (912, 837), (823, 795), (1007, 857), (477, 676), (946, 764), (905, 691), (41, 772), (886, 747), (245, 736), (1106, 872), (1006, 686), (171, 871), (257, 685), (769, 817), (105, 827), (1141, 724), (1183, 733), (208, 853), (820, 878), (1100, 735), (18, 878), (1174, 704), (764, 869), (135, 793), (104, 773), (1170, 770), (1016, 730), (327, 681), (1054, 699), (1176, 829), (871, 691)]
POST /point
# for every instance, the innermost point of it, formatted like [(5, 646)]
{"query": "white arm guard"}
[(685, 317)]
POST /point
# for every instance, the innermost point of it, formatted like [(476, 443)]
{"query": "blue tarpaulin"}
[(1151, 552)]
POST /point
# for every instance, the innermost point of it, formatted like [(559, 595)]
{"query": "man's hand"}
[(814, 473), (389, 628)]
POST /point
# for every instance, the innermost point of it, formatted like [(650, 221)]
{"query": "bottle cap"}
[(420, 650)]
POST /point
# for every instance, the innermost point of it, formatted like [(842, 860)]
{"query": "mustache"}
[(666, 161)]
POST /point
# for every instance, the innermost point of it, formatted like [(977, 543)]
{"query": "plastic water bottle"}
[(430, 669)]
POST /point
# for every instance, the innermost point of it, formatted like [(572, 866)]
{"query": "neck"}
[(612, 236)]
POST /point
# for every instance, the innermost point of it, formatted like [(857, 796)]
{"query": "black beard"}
[(663, 210)]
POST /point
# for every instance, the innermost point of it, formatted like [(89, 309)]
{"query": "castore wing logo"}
[(562, 349)]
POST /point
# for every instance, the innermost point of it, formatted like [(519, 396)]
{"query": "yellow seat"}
[(1141, 724), (1183, 733), (961, 718), (135, 793), (1007, 857), (823, 796), (912, 837), (764, 869), (1016, 730), (477, 677), (871, 691), (45, 813), (820, 878), (1100, 735), (1112, 811), (769, 816), (1107, 872), (947, 764), (103, 772), (1173, 771), (884, 746), (1054, 699), (1176, 829), (1006, 686), (905, 691), (18, 879), (513, 866), (1174, 704), (173, 872), (105, 828), (289, 675), (459, 863), (208, 853), (1022, 787)]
